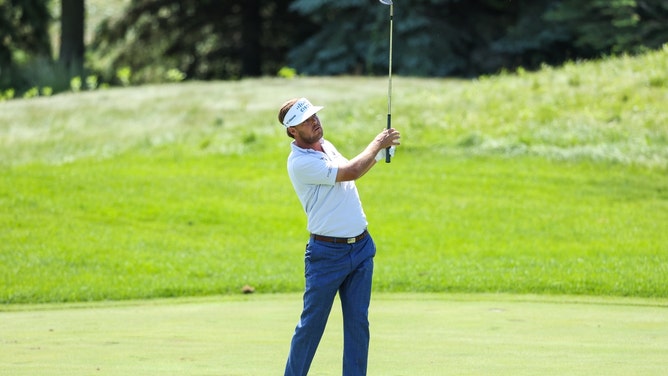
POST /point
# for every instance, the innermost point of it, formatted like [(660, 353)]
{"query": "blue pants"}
[(330, 267)]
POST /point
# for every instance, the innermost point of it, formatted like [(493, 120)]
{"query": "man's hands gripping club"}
[(389, 135), (358, 166)]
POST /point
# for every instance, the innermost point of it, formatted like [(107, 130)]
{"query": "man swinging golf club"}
[(339, 254)]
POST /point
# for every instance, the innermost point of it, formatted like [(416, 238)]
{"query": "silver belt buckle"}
[(351, 240)]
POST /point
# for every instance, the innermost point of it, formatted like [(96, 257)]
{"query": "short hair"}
[(284, 111)]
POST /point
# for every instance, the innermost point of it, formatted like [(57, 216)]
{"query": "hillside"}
[(611, 110)]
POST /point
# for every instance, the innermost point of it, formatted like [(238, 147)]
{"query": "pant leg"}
[(326, 266), (355, 294)]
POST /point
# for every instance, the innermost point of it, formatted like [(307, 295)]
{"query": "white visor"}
[(299, 112)]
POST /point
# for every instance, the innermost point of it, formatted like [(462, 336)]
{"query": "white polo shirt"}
[(332, 209)]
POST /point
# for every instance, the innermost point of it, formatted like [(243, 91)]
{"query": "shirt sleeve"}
[(314, 171)]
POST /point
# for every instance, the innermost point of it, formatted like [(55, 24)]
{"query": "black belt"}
[(330, 239)]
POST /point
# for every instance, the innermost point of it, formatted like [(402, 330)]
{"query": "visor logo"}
[(302, 107)]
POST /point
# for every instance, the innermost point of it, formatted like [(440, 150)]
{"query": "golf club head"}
[(386, 2)]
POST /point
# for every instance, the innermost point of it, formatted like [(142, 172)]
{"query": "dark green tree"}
[(432, 37), (528, 38), (472, 37), (72, 22), (205, 39), (251, 41), (231, 39), (612, 26), (24, 38)]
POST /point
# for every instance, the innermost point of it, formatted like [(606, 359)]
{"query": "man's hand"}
[(387, 138)]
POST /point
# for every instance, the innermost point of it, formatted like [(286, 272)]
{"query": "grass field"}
[(547, 183), (412, 334), (169, 225), (521, 226)]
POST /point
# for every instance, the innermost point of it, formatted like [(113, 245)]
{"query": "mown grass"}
[(170, 225), (412, 334), (551, 182)]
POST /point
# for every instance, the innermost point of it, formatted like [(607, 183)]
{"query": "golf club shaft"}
[(388, 157)]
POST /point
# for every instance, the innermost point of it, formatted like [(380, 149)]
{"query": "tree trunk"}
[(72, 36), (251, 60)]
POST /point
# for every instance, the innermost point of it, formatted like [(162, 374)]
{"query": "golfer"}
[(339, 254)]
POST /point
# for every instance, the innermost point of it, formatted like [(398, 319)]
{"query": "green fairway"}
[(412, 334), (170, 224)]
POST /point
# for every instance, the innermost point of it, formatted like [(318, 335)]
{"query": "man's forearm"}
[(359, 165)]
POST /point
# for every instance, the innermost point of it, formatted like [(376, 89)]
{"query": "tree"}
[(431, 37), (228, 39), (25, 39), (206, 39), (530, 39), (251, 63), (613, 26), (473, 37), (72, 24)]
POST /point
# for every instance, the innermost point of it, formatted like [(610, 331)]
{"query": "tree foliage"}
[(229, 39), (204, 39), (613, 26), (472, 37), (23, 37)]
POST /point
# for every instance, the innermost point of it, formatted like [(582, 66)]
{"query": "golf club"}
[(389, 86)]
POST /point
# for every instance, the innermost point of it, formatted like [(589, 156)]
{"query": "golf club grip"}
[(388, 157)]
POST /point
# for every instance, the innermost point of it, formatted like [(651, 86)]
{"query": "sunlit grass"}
[(550, 182), (606, 111)]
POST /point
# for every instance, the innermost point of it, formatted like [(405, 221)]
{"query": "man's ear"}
[(292, 130)]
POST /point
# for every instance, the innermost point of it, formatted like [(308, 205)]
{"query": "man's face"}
[(309, 131)]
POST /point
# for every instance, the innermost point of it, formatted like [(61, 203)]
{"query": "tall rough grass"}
[(612, 110)]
